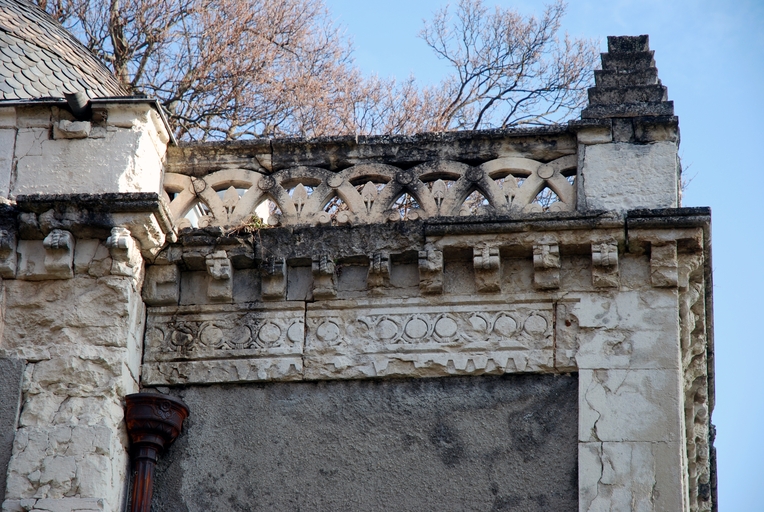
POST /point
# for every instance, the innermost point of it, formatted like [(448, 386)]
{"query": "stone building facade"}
[(493, 320)]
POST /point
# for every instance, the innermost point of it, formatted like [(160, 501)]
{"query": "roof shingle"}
[(39, 58)]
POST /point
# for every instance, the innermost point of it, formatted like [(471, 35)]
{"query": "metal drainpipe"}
[(154, 421)]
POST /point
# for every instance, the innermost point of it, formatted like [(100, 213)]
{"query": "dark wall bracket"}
[(154, 421)]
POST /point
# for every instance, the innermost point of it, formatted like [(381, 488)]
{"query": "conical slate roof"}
[(40, 59)]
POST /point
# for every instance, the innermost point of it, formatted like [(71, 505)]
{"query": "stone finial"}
[(125, 255), (59, 254), (605, 264), (431, 271), (273, 273), (220, 283), (487, 265), (7, 254), (324, 281), (627, 85), (546, 264)]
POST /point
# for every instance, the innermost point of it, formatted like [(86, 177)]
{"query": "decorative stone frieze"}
[(546, 264), (324, 279), (161, 285), (379, 272), (125, 255), (487, 265), (220, 270), (431, 271), (416, 339), (273, 275), (605, 264), (664, 269), (7, 254)]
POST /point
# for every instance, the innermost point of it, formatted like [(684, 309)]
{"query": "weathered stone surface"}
[(417, 339), (435, 444), (630, 476), (162, 285), (625, 176), (11, 373), (630, 405), (81, 361)]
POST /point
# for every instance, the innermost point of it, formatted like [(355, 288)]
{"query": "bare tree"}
[(232, 69), (508, 69)]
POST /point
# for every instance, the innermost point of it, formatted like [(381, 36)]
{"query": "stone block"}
[(546, 264), (630, 405), (161, 286), (324, 279), (274, 278), (7, 143), (487, 264), (52, 258), (379, 271), (7, 254), (623, 176), (431, 271), (11, 373), (125, 254), (630, 476), (220, 277), (664, 266), (605, 264)]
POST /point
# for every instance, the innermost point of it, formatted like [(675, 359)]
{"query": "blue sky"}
[(711, 57)]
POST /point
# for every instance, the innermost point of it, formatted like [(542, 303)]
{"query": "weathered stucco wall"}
[(458, 443)]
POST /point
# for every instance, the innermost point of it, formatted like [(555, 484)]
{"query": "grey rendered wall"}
[(11, 374), (460, 443)]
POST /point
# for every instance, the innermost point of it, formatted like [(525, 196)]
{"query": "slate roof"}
[(40, 59)]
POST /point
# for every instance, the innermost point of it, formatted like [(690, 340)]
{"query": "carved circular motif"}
[(413, 215), (445, 327), (324, 218), (386, 329), (269, 333), (416, 328), (328, 331), (535, 324), (335, 181), (404, 178), (474, 174), (212, 336), (505, 325), (266, 183), (296, 332), (545, 172), (478, 323)]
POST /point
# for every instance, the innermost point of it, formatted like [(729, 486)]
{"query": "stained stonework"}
[(361, 323), (460, 443)]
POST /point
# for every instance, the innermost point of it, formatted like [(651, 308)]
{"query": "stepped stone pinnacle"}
[(628, 83)]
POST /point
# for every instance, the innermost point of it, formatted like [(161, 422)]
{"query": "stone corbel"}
[(664, 268), (324, 281), (546, 264), (487, 263), (125, 255), (7, 254), (379, 271), (431, 271), (274, 278), (59, 254), (161, 287), (220, 286), (605, 264)]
